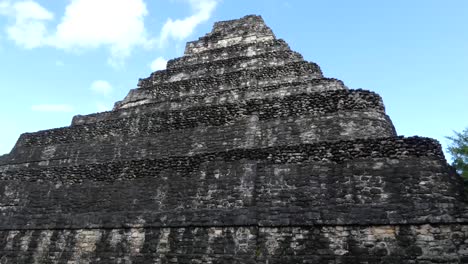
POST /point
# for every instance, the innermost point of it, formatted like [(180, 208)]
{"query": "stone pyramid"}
[(239, 152)]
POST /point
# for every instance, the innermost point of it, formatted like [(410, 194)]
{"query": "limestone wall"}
[(316, 244), (271, 59), (235, 51), (138, 140), (293, 71), (200, 94), (324, 183), (289, 106), (238, 152)]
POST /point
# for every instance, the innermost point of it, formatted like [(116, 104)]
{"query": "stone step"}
[(218, 115), (295, 72), (230, 52), (247, 25), (291, 73), (143, 100), (207, 44), (334, 152), (322, 183), (248, 30), (245, 133), (222, 67), (238, 244)]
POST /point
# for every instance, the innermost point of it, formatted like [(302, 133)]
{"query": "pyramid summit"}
[(239, 152)]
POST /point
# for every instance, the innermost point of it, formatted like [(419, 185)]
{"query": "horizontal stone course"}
[(215, 42), (244, 133), (250, 24), (336, 152), (238, 90), (221, 67), (238, 192), (149, 100), (226, 53), (403, 244), (154, 122), (250, 30), (204, 86), (295, 71)]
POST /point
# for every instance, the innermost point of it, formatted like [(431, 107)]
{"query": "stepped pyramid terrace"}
[(239, 152)]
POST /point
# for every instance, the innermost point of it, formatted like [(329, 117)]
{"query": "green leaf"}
[(458, 148)]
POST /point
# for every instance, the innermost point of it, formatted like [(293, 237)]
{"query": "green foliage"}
[(459, 151)]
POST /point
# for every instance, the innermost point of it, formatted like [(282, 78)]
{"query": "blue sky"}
[(62, 58)]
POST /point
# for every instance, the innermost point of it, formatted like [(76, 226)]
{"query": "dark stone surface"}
[(315, 244), (239, 152), (247, 133), (234, 51), (178, 98), (343, 182), (153, 122), (300, 70), (263, 60)]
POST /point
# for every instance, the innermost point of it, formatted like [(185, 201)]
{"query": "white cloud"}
[(52, 108), (86, 24), (101, 87), (158, 64), (181, 28), (29, 27), (116, 24)]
